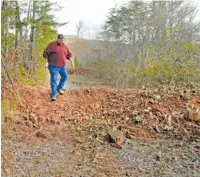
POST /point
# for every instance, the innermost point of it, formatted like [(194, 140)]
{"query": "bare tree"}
[(80, 29)]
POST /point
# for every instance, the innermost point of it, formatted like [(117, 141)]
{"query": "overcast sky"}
[(92, 12)]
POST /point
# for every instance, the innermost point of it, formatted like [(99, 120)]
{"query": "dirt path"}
[(66, 138), (75, 81), (138, 158)]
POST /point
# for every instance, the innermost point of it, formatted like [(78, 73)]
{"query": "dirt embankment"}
[(66, 137), (141, 113)]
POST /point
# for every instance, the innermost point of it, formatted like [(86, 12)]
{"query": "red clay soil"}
[(39, 117)]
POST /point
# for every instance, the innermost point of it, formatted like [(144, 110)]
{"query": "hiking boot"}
[(61, 92), (53, 98)]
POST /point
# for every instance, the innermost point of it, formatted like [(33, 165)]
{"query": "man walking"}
[(56, 54)]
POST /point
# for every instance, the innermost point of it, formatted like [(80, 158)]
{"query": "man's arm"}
[(69, 57), (45, 55)]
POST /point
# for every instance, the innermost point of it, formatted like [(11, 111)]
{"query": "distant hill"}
[(83, 48), (70, 37)]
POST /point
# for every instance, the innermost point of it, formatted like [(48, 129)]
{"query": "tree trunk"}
[(16, 31), (4, 28), (31, 45)]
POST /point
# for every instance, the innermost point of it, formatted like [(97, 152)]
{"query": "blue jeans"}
[(54, 70), (65, 85)]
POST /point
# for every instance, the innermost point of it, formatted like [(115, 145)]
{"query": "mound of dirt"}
[(148, 114), (68, 137)]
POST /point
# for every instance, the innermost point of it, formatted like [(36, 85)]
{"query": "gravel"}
[(167, 158), (139, 157)]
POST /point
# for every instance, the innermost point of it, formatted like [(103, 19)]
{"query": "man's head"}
[(60, 39)]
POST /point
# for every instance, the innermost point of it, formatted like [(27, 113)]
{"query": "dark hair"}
[(60, 36)]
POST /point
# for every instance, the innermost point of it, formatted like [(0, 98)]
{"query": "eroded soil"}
[(66, 137)]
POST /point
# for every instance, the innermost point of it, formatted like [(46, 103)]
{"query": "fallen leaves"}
[(144, 113)]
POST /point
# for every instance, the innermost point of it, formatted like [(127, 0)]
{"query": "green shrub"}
[(153, 72), (76, 62)]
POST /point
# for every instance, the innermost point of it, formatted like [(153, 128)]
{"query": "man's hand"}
[(46, 65), (72, 64)]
